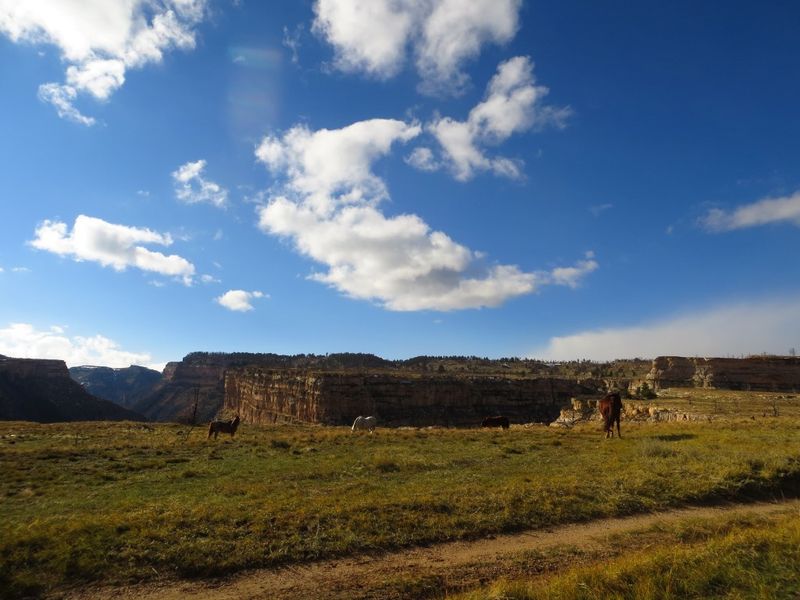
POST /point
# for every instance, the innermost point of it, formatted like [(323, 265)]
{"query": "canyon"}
[(43, 391), (754, 373), (262, 395), (425, 390)]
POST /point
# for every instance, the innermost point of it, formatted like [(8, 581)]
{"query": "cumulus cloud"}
[(329, 206), (238, 300), (100, 40), (763, 212), (193, 188), (111, 245), (512, 104), (23, 340), (376, 36), (738, 329)]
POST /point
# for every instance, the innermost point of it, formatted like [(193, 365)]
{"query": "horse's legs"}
[(619, 434)]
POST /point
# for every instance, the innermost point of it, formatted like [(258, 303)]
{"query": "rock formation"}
[(757, 373), (125, 387), (42, 390), (263, 395)]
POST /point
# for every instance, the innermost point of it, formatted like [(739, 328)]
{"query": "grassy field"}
[(123, 502), (745, 557), (730, 403)]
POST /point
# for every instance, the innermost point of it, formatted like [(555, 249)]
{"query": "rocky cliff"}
[(757, 373), (262, 395), (125, 387), (42, 390), (200, 377), (182, 384)]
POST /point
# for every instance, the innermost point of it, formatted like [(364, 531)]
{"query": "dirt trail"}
[(467, 563)]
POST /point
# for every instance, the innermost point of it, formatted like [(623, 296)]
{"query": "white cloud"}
[(375, 36), (330, 167), (762, 212), (739, 329), (512, 104), (239, 300), (22, 340), (291, 40), (191, 187), (329, 208), (209, 279), (422, 158), (111, 245), (100, 40), (20, 270), (572, 276), (62, 97)]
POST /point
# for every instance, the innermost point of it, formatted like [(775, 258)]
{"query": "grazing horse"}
[(496, 422), (217, 427), (610, 408), (364, 423)]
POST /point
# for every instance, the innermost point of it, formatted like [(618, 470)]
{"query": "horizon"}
[(526, 180)]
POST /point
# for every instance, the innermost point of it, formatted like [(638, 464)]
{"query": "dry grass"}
[(744, 557), (121, 502)]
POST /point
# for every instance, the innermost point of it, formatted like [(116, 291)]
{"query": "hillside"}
[(125, 387), (42, 391)]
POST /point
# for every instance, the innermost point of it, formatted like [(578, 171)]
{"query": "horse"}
[(610, 408), (497, 421), (217, 427), (364, 423)]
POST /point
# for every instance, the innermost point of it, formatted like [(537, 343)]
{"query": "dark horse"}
[(495, 422), (610, 408), (217, 427)]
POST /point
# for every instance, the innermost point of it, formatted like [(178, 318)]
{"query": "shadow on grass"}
[(676, 437)]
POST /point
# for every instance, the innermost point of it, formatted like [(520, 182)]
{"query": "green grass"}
[(721, 558), (121, 502)]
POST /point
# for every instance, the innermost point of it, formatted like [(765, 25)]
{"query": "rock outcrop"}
[(756, 373), (125, 387), (262, 395), (43, 391), (181, 386)]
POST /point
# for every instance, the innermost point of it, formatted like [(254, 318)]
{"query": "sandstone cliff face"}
[(125, 386), (173, 398), (42, 390), (757, 373), (200, 377), (267, 395)]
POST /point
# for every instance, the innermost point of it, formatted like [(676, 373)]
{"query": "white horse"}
[(364, 423)]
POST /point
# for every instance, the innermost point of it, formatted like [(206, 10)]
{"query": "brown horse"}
[(610, 408), (217, 427), (496, 422)]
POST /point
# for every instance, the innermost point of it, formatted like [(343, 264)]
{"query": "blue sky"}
[(558, 180)]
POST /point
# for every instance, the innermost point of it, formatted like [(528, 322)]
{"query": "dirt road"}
[(413, 572)]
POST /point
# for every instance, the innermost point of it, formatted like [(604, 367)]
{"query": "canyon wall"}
[(262, 395), (756, 373), (42, 390), (126, 386), (182, 383)]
